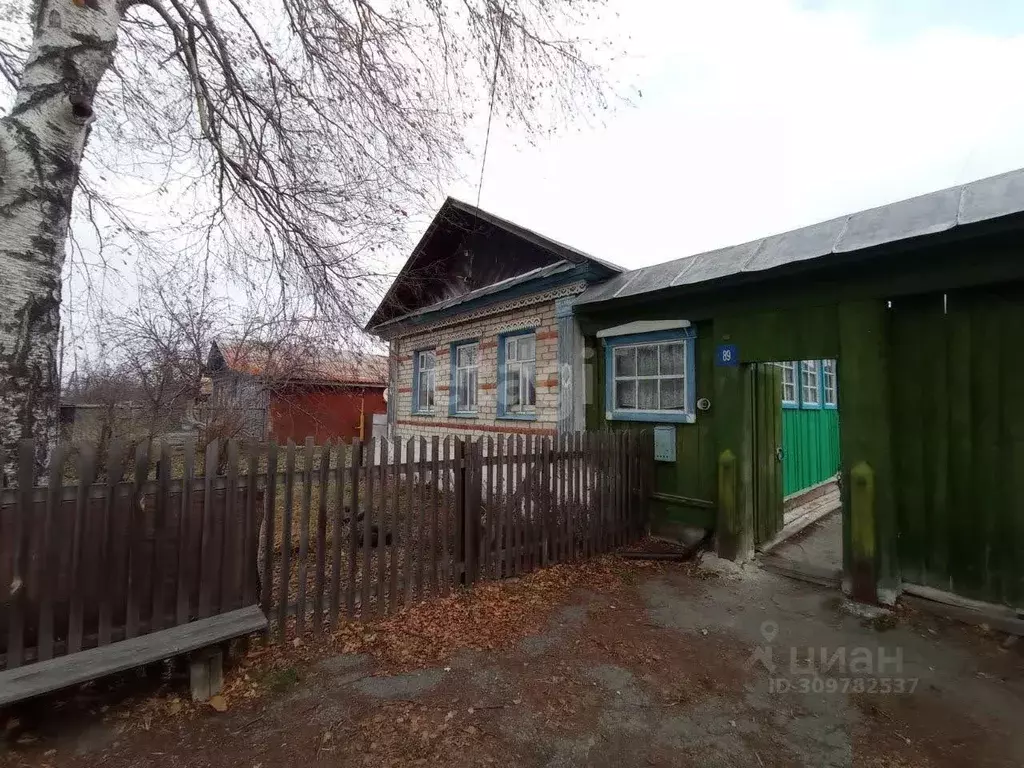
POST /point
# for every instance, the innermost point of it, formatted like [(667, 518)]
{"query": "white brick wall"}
[(538, 317)]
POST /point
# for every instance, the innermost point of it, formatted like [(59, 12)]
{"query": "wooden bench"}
[(65, 671)]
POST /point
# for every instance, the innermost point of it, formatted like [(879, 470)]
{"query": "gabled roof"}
[(904, 223), (455, 219), (291, 363)]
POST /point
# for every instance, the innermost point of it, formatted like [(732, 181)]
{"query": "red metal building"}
[(286, 394)]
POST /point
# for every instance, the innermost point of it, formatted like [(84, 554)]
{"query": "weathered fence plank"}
[(49, 562), (86, 474), (230, 541), (421, 520), (250, 530), (364, 595), (488, 530), (435, 498), (518, 507), (392, 548), (338, 532), (447, 503), (321, 538), (135, 522), (268, 536), (307, 494), (20, 571), (286, 539), (355, 465), (107, 571), (182, 594), (407, 540), (384, 473)]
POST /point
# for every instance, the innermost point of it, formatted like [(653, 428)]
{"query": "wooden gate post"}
[(729, 513), (862, 533), (459, 477)]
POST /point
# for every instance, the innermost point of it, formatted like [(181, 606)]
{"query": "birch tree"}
[(292, 139)]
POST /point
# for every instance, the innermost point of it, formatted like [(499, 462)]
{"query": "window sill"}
[(651, 417), (463, 415), (425, 414), (517, 417)]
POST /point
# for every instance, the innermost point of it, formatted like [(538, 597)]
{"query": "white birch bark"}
[(41, 143)]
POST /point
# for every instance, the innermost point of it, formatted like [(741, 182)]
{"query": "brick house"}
[(481, 333)]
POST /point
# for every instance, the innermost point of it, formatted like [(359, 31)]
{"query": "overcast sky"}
[(748, 117), (757, 116)]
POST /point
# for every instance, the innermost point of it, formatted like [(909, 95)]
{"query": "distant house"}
[(481, 331), (285, 394)]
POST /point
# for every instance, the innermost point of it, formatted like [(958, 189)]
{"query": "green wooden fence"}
[(957, 409)]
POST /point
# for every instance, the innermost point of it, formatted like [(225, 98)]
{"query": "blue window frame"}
[(462, 394), (517, 375), (810, 384), (651, 377), (424, 380), (829, 384), (790, 395)]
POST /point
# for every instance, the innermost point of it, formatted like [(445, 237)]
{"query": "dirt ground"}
[(666, 665), (821, 543)]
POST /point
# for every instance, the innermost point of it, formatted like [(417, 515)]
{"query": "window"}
[(809, 384), (465, 369), (424, 383), (828, 383), (517, 374), (788, 382), (650, 377)]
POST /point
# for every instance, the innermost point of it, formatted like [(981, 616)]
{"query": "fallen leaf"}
[(219, 703)]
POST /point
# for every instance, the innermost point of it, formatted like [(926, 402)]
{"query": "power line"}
[(490, 109)]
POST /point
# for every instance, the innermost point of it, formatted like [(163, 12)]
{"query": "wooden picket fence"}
[(313, 533)]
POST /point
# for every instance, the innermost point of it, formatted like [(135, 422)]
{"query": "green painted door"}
[(810, 447), (767, 454)]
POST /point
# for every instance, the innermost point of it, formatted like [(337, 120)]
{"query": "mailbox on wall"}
[(665, 443)]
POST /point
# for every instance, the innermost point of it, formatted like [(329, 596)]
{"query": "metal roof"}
[(942, 211)]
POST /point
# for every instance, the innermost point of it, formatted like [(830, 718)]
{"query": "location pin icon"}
[(769, 631)]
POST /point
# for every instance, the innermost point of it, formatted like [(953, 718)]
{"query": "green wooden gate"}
[(767, 444), (957, 389)]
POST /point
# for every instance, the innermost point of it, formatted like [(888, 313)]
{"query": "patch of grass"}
[(280, 680)]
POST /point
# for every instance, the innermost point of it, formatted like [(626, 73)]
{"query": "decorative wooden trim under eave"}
[(573, 289), (473, 427)]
